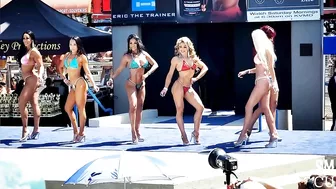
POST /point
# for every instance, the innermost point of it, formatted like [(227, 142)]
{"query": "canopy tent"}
[(51, 28), (65, 7)]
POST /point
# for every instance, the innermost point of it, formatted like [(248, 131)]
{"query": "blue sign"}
[(329, 45), (282, 4), (143, 5)]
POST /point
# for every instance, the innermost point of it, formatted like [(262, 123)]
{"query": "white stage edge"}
[(110, 121), (54, 166)]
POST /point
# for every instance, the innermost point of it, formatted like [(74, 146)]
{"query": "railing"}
[(106, 110), (276, 121), (96, 100)]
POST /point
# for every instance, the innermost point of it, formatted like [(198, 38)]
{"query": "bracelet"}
[(248, 71), (165, 88)]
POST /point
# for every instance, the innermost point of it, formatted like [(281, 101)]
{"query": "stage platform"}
[(54, 166), (166, 137), (53, 158)]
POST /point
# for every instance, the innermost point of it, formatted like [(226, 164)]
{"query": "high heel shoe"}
[(241, 142), (141, 139), (279, 139), (193, 138), (248, 132), (35, 135), (74, 138), (80, 138), (135, 141), (25, 137), (185, 141), (273, 142)]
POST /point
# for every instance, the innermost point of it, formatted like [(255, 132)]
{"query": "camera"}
[(219, 159)]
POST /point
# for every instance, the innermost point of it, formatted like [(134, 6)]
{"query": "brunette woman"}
[(31, 64), (137, 60), (75, 64)]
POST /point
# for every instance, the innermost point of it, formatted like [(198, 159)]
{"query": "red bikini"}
[(186, 67)]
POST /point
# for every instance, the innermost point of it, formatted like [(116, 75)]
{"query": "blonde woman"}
[(265, 77), (274, 95), (185, 62)]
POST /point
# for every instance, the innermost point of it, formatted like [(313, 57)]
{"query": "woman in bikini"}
[(137, 60), (265, 75), (75, 64), (270, 32), (31, 64), (185, 62)]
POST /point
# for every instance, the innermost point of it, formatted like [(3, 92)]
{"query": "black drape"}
[(215, 47), (227, 49)]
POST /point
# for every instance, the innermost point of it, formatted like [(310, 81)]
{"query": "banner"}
[(283, 10), (208, 11), (177, 11), (11, 48), (143, 11)]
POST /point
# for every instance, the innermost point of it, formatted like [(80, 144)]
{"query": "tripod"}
[(228, 178)]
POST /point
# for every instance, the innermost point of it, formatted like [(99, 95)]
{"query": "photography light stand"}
[(219, 160), (228, 174)]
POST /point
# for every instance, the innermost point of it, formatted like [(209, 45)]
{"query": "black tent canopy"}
[(51, 28)]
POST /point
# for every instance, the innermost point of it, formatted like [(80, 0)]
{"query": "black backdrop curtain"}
[(215, 47), (226, 49)]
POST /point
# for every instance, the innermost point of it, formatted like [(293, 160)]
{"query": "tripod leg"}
[(228, 182)]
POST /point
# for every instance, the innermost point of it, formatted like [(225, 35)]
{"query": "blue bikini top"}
[(72, 64), (135, 65)]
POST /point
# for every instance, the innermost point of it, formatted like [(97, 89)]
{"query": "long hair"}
[(80, 50), (262, 44), (191, 49), (23, 50), (270, 32), (140, 45)]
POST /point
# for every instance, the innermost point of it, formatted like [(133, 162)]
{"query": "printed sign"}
[(143, 5), (208, 11), (178, 11), (45, 47), (283, 10), (143, 11)]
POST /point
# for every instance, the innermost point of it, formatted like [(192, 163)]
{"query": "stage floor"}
[(162, 139), (166, 137)]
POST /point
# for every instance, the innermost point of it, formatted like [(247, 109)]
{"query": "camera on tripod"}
[(218, 159)]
